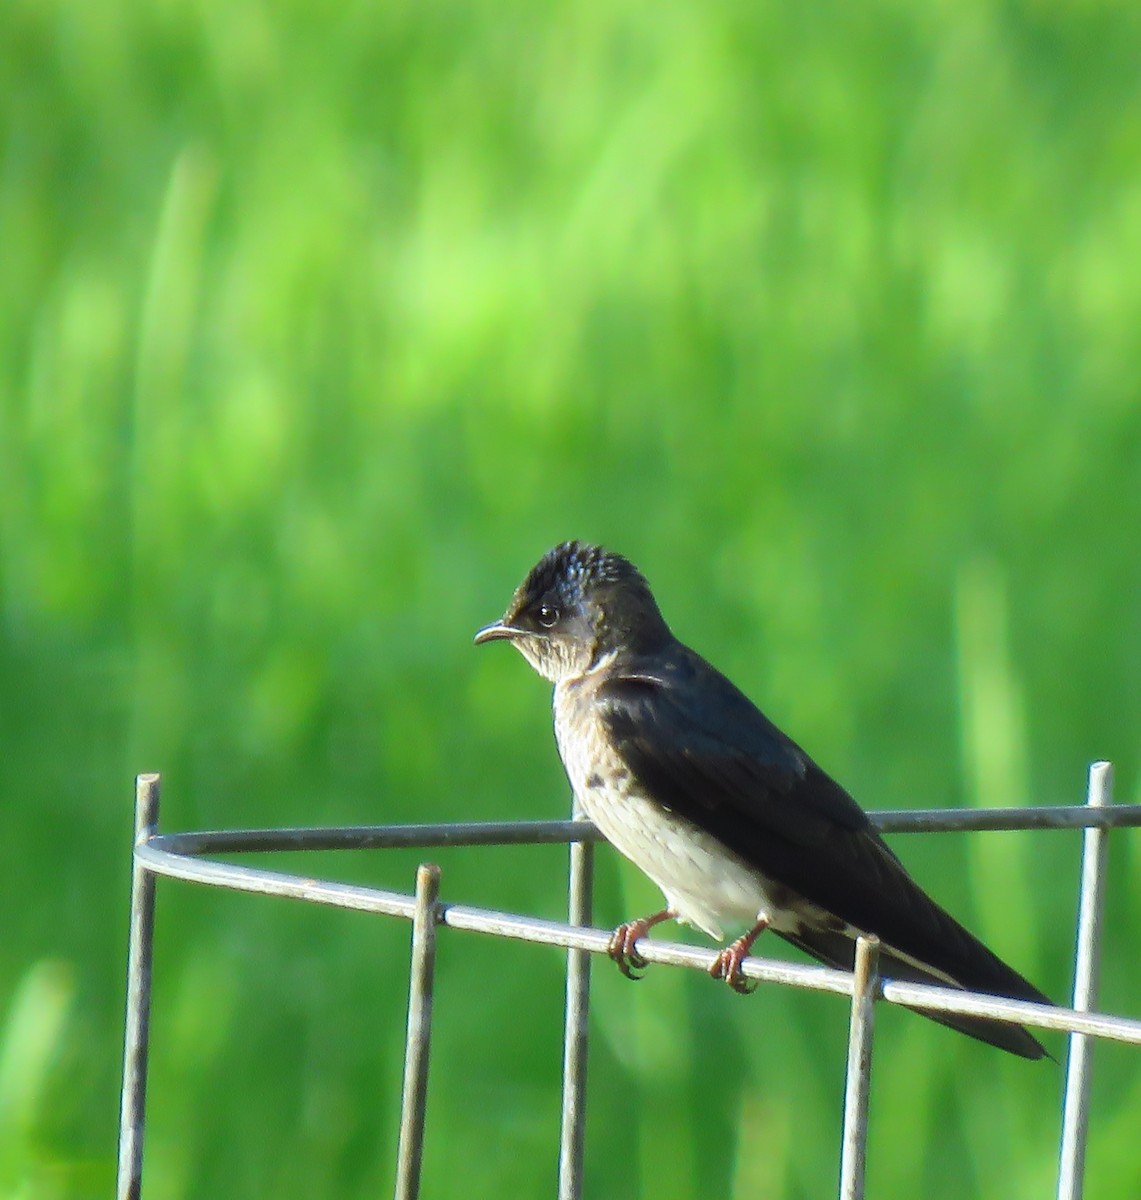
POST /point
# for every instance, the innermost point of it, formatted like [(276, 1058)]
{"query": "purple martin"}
[(725, 813)]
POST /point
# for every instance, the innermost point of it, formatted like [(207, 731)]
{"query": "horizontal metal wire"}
[(380, 837), (518, 833), (155, 856)]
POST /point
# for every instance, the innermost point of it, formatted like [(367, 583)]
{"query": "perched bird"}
[(725, 813)]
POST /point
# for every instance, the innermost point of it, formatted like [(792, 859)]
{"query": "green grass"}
[(318, 324)]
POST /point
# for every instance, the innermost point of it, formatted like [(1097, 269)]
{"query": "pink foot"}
[(621, 948), (727, 965)]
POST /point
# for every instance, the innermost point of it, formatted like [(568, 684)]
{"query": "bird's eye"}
[(548, 615)]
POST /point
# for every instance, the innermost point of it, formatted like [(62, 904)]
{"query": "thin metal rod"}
[(572, 1137), (596, 941), (854, 1148), (381, 837), (1018, 1012), (1075, 1116), (421, 978), (968, 820), (277, 883), (533, 833), (140, 955)]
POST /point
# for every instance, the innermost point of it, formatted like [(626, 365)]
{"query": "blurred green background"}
[(318, 324)]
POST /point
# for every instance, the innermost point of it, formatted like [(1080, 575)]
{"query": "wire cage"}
[(186, 856)]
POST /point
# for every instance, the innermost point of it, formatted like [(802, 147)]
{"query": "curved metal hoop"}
[(184, 856)]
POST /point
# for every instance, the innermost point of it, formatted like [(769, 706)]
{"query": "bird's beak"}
[(496, 631)]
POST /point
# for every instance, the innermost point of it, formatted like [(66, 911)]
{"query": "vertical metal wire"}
[(136, 1038), (417, 1047), (854, 1148), (573, 1133), (1075, 1116)]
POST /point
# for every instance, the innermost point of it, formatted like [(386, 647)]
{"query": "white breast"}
[(704, 883)]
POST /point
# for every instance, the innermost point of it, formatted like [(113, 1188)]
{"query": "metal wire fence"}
[(184, 856)]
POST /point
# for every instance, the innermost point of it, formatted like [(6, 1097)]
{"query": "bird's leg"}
[(621, 948), (727, 965)]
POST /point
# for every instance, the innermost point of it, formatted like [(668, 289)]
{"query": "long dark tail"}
[(838, 950)]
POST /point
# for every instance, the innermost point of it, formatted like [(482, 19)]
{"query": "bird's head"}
[(578, 605)]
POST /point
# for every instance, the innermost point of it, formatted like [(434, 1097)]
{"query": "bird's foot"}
[(727, 965), (622, 941)]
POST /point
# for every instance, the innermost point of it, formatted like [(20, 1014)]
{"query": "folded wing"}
[(702, 749)]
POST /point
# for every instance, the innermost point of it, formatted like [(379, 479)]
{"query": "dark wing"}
[(702, 749)]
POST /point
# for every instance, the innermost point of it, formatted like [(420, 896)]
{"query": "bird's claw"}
[(621, 949), (727, 966), (623, 940)]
